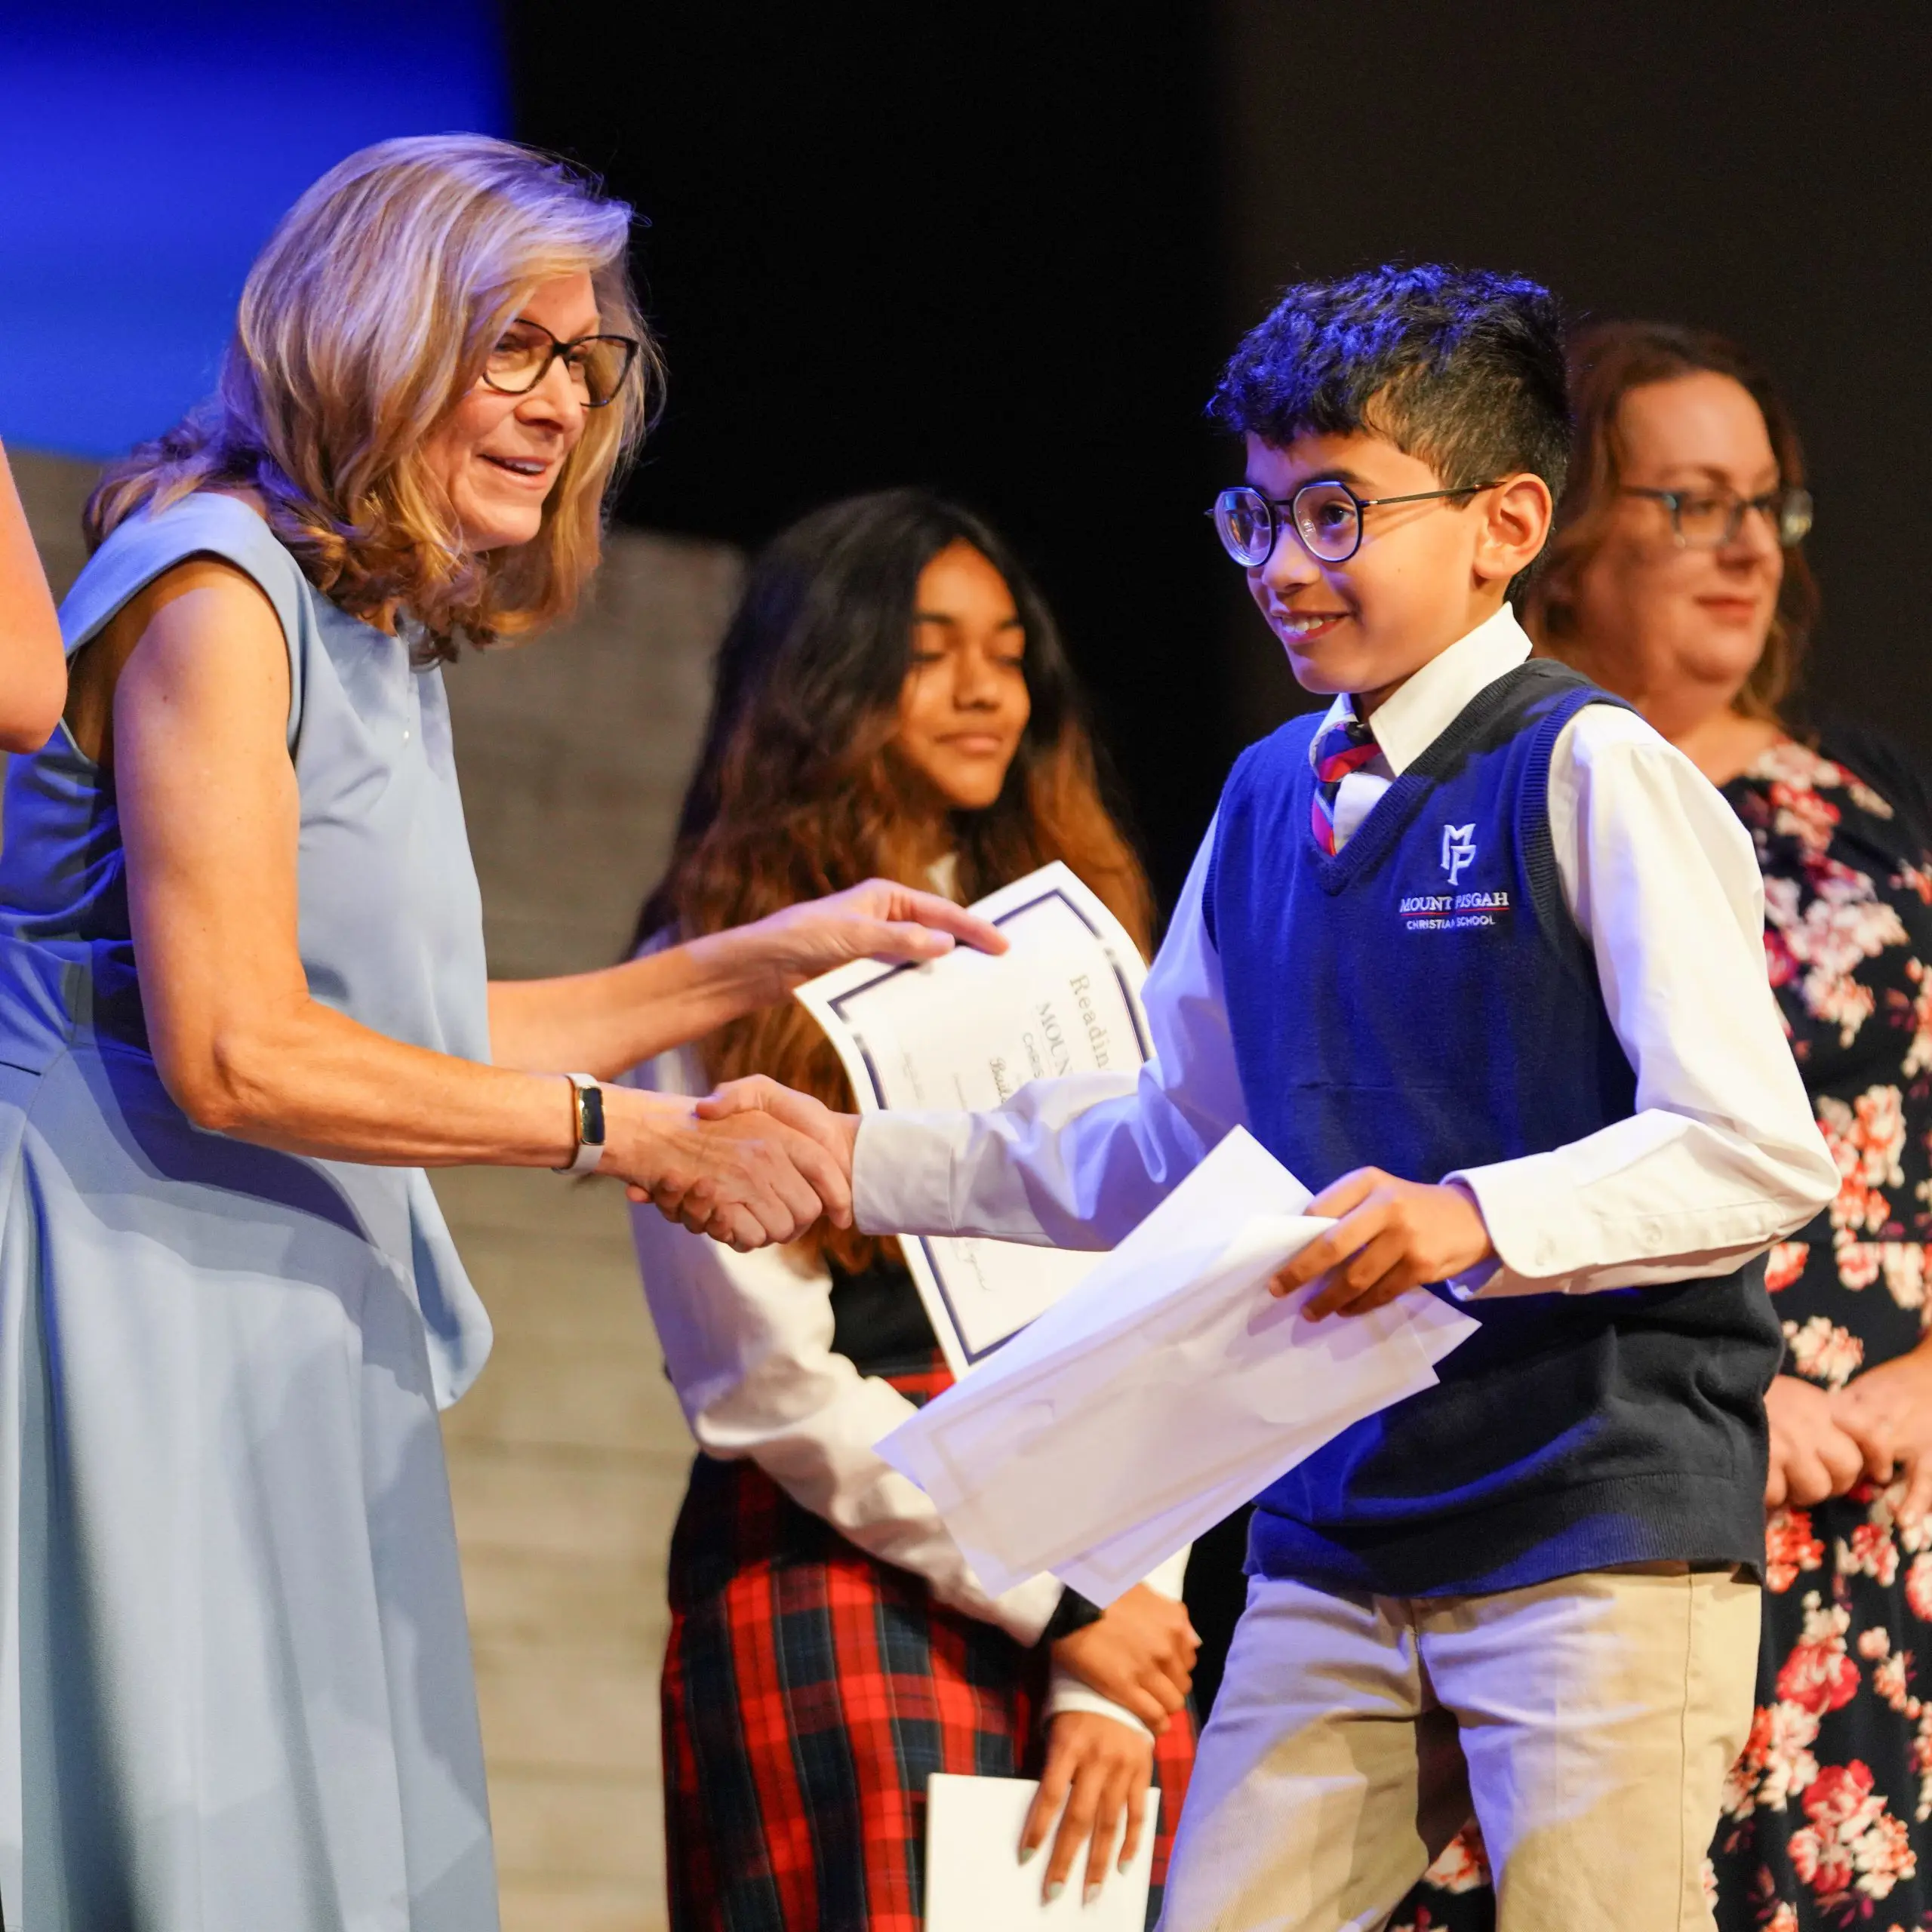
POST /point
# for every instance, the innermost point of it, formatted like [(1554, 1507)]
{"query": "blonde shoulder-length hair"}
[(368, 315)]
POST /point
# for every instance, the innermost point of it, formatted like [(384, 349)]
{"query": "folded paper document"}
[(976, 1883), (1163, 1390)]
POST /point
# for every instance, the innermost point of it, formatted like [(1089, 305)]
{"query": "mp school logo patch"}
[(1454, 911)]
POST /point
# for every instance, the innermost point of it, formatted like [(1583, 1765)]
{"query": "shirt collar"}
[(1424, 705)]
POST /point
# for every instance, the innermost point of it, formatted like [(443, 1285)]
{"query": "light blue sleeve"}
[(203, 525)]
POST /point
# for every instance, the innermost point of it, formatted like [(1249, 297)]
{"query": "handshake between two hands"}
[(752, 1164), (765, 1162), (755, 1163)]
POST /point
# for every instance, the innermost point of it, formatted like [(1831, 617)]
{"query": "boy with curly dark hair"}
[(1478, 955)]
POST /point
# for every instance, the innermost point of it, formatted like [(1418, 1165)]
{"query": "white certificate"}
[(968, 1031)]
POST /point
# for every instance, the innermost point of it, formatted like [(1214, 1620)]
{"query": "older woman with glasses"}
[(243, 1005), (1676, 578)]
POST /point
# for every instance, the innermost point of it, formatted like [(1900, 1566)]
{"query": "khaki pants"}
[(1588, 1722)]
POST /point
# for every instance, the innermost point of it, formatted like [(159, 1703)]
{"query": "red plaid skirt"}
[(809, 1692)]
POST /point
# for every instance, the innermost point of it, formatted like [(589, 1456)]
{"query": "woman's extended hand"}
[(747, 1179), (1100, 1767), (1813, 1455), (1887, 1413), (876, 921), (1140, 1654), (670, 995)]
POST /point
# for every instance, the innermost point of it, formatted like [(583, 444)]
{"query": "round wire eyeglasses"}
[(1326, 516)]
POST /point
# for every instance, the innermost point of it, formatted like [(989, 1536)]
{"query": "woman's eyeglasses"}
[(1324, 514), (597, 364), (1711, 520)]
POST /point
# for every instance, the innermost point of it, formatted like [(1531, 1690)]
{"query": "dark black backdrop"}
[(1764, 170), (970, 247)]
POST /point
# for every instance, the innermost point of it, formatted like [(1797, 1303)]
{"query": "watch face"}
[(590, 1106)]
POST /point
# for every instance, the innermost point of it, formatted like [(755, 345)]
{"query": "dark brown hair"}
[(799, 791), (1606, 362), (1462, 367)]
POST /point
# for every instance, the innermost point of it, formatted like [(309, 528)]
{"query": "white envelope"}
[(976, 1883), (1164, 1391)]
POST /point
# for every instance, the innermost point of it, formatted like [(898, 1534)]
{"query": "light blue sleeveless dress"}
[(235, 1692)]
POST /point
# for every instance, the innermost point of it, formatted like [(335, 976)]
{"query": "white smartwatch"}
[(588, 1097)]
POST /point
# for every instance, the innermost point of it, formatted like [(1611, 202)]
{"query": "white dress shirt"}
[(1720, 1158)]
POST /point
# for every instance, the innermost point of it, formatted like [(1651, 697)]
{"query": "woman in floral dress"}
[(1825, 1814), (1675, 580)]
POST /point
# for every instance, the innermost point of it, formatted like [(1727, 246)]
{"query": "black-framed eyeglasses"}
[(1326, 516), (1711, 519), (596, 364)]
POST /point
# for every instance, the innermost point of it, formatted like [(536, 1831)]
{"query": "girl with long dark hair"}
[(893, 700)]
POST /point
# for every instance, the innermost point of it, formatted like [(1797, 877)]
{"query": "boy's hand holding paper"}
[(1390, 1236), (1162, 1392)]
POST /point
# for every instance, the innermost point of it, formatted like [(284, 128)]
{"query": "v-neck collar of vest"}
[(1389, 817)]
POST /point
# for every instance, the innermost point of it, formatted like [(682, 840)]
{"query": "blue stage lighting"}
[(146, 152)]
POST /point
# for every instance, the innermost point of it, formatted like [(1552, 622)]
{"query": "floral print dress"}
[(1827, 1817)]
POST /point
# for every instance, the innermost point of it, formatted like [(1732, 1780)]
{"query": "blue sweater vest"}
[(1423, 1001)]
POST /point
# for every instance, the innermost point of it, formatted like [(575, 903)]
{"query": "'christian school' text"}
[(1452, 912)]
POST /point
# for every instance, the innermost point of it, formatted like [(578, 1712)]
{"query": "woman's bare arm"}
[(33, 672), (602, 1023), (209, 815)]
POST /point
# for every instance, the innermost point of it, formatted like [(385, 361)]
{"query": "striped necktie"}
[(1343, 745)]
